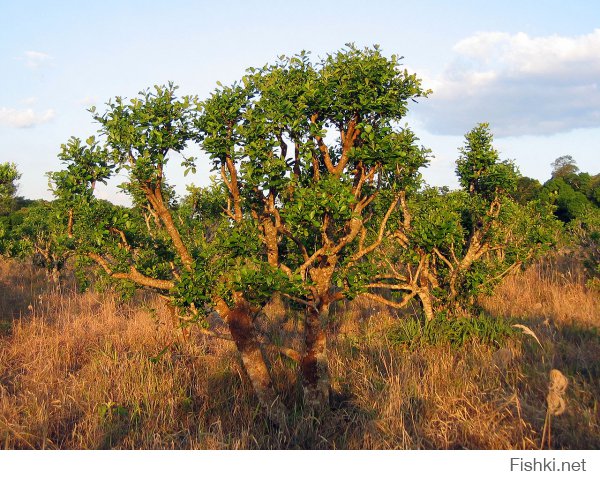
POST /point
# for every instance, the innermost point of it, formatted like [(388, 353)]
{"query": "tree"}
[(563, 166), (40, 233), (450, 246), (307, 154), (299, 206), (570, 204), (9, 175), (319, 199), (528, 189)]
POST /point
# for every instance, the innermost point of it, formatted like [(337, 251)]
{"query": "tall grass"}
[(90, 371)]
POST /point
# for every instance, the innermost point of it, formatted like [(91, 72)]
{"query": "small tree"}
[(528, 189), (42, 235), (9, 176), (450, 246)]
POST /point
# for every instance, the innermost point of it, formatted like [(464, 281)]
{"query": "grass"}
[(439, 331), (90, 371)]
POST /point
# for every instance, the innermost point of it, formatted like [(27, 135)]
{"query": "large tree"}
[(308, 153)]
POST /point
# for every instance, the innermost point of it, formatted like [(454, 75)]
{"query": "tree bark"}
[(425, 298), (55, 275), (316, 382), (241, 327)]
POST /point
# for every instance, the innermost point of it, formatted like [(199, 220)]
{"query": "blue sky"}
[(529, 68)]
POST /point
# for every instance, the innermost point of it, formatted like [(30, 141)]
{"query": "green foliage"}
[(455, 332), (451, 246), (86, 163), (140, 134), (564, 166), (570, 204), (479, 168), (291, 141), (438, 219), (585, 231), (9, 175), (366, 84), (39, 231), (528, 189), (142, 131)]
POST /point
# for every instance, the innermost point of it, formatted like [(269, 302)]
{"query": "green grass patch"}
[(451, 331)]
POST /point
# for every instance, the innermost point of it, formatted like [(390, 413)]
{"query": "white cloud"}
[(88, 101), (11, 117), (29, 100), (520, 84), (35, 59)]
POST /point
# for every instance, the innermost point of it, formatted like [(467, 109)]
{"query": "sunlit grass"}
[(83, 371)]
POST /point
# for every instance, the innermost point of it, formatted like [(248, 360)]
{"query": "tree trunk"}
[(241, 326), (315, 371), (425, 298), (55, 275)]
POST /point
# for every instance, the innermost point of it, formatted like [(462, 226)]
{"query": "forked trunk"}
[(241, 326), (315, 371)]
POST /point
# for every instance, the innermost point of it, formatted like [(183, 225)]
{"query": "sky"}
[(529, 68)]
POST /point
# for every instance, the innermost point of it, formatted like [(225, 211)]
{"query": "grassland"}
[(90, 371)]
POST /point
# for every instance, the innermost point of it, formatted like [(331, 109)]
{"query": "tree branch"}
[(322, 147), (443, 258), (390, 303), (134, 275)]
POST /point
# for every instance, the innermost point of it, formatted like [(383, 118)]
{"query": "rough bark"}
[(241, 327), (426, 303), (314, 368)]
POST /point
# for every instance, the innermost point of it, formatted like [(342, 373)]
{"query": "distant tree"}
[(41, 234), (570, 204), (528, 189), (564, 165), (594, 190), (9, 175)]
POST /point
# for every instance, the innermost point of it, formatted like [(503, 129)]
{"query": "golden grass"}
[(84, 371), (552, 291)]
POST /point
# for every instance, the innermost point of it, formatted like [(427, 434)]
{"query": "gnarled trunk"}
[(316, 382), (425, 297), (241, 326)]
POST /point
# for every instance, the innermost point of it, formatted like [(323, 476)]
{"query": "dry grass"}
[(553, 291), (84, 371)]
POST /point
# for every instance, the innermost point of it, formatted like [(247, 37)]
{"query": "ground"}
[(93, 371)]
